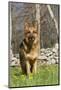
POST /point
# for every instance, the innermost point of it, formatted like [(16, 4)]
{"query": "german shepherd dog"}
[(28, 50)]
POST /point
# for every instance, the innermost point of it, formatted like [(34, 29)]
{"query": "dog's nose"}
[(31, 38)]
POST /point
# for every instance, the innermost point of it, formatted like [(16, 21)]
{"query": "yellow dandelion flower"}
[(30, 76), (23, 77)]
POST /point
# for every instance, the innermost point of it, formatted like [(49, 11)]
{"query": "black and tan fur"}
[(28, 50)]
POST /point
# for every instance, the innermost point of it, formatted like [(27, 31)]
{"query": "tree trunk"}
[(38, 20), (10, 24), (52, 16)]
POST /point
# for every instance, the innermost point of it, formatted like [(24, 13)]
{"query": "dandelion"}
[(23, 77), (30, 76)]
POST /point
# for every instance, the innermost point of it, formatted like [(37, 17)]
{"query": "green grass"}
[(46, 75)]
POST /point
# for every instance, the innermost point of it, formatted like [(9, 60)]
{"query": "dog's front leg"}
[(28, 67), (34, 67)]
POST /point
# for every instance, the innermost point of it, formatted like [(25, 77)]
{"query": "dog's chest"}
[(32, 54)]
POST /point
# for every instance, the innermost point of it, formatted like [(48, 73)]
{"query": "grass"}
[(46, 75)]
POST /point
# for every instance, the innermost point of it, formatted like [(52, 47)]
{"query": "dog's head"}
[(31, 32)]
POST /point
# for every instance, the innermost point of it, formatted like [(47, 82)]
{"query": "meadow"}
[(46, 75)]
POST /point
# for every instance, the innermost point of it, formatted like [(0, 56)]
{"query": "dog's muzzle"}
[(31, 38)]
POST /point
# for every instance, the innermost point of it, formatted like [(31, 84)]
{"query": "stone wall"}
[(48, 56)]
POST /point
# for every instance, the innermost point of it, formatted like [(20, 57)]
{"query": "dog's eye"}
[(28, 32), (34, 32)]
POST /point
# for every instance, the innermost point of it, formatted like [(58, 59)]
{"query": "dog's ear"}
[(26, 26)]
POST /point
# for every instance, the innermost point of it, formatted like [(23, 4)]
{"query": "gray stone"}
[(42, 57), (54, 50), (49, 54), (14, 62), (49, 62), (53, 61)]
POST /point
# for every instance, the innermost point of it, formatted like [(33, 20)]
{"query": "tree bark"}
[(52, 16), (38, 20)]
